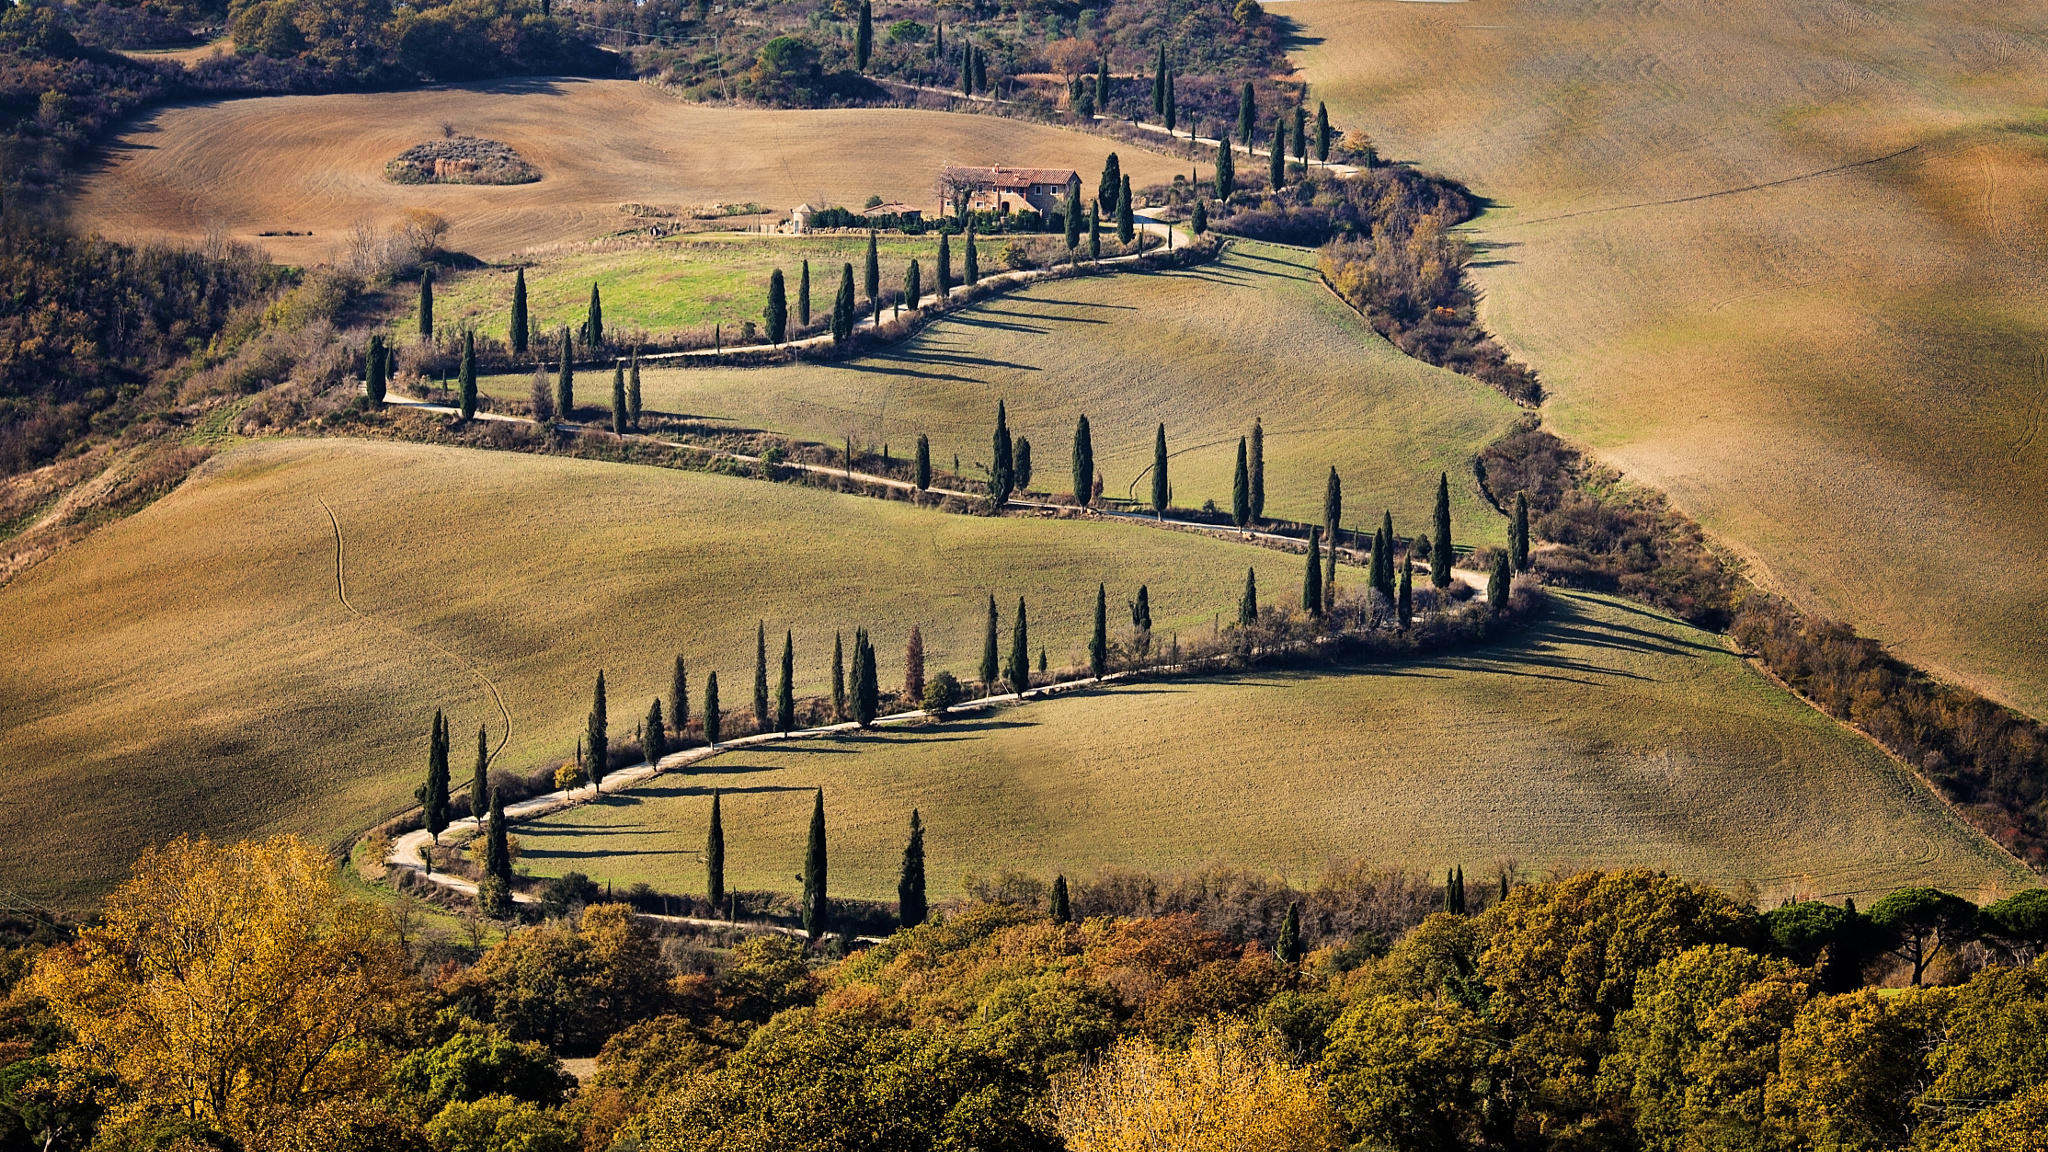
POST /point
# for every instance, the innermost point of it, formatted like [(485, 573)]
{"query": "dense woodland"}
[(1625, 1010)]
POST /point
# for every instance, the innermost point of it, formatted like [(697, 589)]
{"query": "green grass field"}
[(1786, 266), (664, 289), (1205, 350), (1609, 736), (191, 668)]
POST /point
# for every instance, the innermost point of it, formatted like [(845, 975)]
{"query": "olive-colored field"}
[(685, 284), (1609, 735), (1783, 261), (191, 668), (1205, 350), (316, 163)]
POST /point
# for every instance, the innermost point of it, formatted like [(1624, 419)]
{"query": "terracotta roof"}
[(1003, 177)]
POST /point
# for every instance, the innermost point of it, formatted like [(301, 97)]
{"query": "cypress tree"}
[(1062, 911), (654, 738), (967, 69), (593, 321), (1258, 461), (854, 687), (679, 700), (1094, 234), (1440, 536), (867, 701), (910, 903), (970, 260), (1248, 605), (838, 676), (1518, 533), (980, 70), (913, 284), (922, 470), (1171, 105), (427, 305), (1497, 584), (1159, 85), (1384, 578), (1002, 477), (497, 845), (518, 334), (1160, 491), (1019, 671), (842, 306), (1111, 184), (712, 715), (1102, 85), (599, 737), (1141, 609), (913, 666), (761, 676), (480, 779), (777, 312), (989, 668), (1405, 598), (1322, 133), (1126, 228), (1301, 136), (433, 793), (871, 272), (1070, 216), (1084, 463), (944, 285), (618, 397), (1276, 154), (1098, 641), (1288, 948), (803, 297), (1226, 171), (1020, 465), (714, 854), (467, 375), (633, 390), (864, 37), (565, 383), (373, 376), (815, 906), (1241, 489), (785, 692), (1198, 220), (1247, 115), (1333, 513), (1312, 579)]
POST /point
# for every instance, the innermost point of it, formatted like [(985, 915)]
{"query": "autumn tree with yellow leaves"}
[(1228, 1089), (230, 986)]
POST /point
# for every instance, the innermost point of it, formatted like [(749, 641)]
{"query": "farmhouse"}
[(1005, 190)]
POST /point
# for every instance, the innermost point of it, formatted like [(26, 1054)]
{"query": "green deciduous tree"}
[(519, 333), (1161, 493), (598, 738), (777, 312), (816, 902), (910, 902)]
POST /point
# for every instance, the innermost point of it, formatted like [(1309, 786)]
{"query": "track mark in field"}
[(1804, 176), (341, 593), (2034, 402)]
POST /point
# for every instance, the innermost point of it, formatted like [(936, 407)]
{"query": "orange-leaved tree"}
[(228, 985)]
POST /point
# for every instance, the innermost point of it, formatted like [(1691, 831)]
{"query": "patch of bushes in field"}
[(461, 160)]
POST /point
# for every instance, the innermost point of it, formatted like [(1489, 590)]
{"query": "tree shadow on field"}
[(871, 368), (685, 791), (954, 358), (1083, 303), (599, 853), (1054, 319), (1484, 251), (559, 828), (981, 320)]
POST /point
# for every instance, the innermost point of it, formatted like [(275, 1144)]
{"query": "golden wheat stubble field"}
[(1607, 735), (316, 163), (192, 668), (1205, 350), (1783, 261)]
